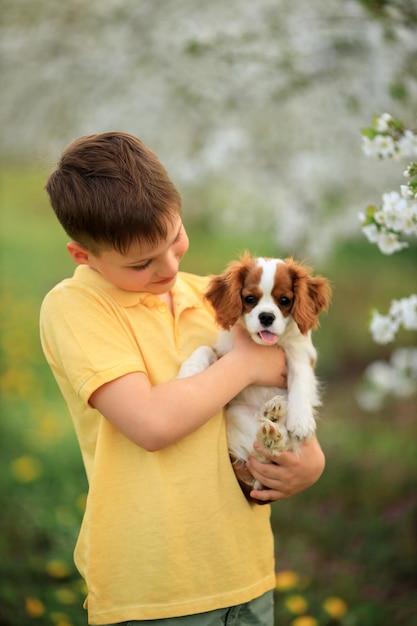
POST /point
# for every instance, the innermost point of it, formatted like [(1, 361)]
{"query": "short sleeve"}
[(86, 340)]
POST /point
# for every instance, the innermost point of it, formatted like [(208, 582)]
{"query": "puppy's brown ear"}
[(224, 292), (311, 296), (320, 293)]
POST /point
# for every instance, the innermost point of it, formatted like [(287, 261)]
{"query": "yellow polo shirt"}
[(165, 533)]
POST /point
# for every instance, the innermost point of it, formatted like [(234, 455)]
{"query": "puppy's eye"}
[(284, 301), (249, 300)]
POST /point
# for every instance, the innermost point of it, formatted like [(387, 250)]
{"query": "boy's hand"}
[(268, 362), (289, 474)]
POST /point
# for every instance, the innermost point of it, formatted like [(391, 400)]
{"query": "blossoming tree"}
[(390, 226)]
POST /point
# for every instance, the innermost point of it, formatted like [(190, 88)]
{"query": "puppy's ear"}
[(320, 293), (224, 292), (311, 296)]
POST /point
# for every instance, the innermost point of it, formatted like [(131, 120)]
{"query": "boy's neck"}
[(167, 298)]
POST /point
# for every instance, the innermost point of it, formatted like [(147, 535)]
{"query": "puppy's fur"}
[(278, 302)]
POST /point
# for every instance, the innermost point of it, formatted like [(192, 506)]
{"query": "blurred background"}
[(255, 108)]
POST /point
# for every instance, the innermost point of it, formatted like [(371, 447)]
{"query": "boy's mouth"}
[(165, 281)]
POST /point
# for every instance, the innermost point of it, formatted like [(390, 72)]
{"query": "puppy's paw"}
[(274, 410), (302, 427), (199, 361), (257, 485), (272, 436)]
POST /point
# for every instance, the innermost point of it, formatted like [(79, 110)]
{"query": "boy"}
[(167, 533)]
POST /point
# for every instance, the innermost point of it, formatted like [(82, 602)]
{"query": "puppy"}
[(278, 303)]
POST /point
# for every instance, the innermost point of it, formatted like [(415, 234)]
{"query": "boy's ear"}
[(79, 255)]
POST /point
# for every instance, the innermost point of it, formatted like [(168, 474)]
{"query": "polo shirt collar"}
[(183, 295)]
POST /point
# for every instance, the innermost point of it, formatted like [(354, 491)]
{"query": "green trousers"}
[(258, 612)]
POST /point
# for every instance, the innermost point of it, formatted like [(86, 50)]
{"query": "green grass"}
[(352, 535)]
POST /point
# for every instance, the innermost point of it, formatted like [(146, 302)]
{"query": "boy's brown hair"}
[(110, 191)]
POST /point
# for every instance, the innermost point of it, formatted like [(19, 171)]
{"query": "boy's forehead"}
[(140, 250)]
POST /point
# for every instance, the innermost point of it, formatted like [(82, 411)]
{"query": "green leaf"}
[(397, 124), (371, 209), (371, 133)]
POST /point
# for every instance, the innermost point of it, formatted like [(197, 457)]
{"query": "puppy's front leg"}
[(302, 397), (200, 360)]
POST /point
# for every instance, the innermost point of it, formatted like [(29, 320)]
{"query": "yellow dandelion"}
[(286, 579), (296, 604), (60, 619), (50, 428), (66, 596), (18, 382), (80, 586), (57, 569), (34, 607), (26, 469), (16, 344), (335, 607), (305, 620)]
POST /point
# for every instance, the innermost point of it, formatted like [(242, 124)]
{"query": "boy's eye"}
[(138, 268)]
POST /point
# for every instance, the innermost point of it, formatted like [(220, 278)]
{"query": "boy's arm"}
[(154, 417)]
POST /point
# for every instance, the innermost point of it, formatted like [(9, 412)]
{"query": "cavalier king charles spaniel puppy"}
[(278, 302)]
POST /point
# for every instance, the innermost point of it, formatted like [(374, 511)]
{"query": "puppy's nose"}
[(266, 319)]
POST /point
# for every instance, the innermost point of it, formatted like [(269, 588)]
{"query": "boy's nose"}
[(170, 266)]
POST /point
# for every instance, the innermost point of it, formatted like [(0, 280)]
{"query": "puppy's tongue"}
[(267, 337)]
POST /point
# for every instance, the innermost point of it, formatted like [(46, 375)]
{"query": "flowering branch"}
[(388, 137), (401, 313), (382, 379), (397, 215), (384, 225)]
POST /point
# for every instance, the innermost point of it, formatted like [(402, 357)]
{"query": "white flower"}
[(409, 312), (400, 219), (392, 201), (395, 310), (375, 387), (379, 374), (382, 122), (404, 312), (384, 146), (407, 144), (370, 399), (369, 147), (371, 232), (383, 328), (405, 359), (404, 366), (397, 213), (398, 378), (406, 192), (380, 217), (409, 225), (388, 243)]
